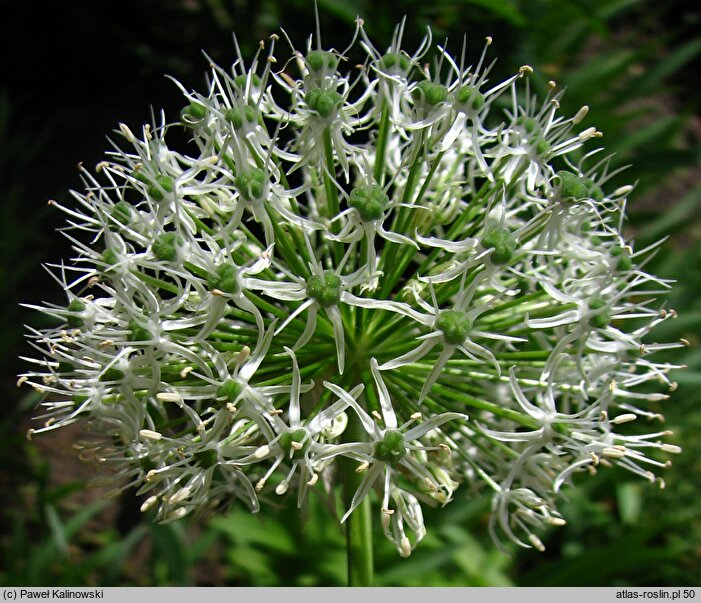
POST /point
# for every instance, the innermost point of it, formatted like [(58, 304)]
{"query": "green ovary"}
[(323, 101), (503, 244), (298, 437), (325, 289), (165, 247), (391, 448), (230, 389), (432, 93), (571, 185), (321, 60), (456, 326), (601, 318), (251, 185), (369, 201), (225, 279)]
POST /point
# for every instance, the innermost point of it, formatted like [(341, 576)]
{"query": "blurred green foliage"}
[(632, 61)]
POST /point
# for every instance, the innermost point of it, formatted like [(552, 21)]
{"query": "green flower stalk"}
[(385, 284)]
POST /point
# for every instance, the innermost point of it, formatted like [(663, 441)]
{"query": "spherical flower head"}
[(391, 251)]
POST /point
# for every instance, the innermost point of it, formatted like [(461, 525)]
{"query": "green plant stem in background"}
[(383, 334), (359, 546), (359, 523)]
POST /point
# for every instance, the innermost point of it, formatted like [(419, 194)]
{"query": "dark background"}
[(72, 70)]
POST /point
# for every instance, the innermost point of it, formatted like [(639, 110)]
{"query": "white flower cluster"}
[(412, 250)]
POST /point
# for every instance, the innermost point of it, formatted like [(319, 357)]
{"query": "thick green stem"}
[(333, 204), (382, 138), (359, 545), (332, 201), (359, 523)]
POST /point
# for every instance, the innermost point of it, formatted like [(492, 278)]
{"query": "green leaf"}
[(254, 564), (58, 532), (647, 136), (592, 74), (630, 502), (344, 9), (667, 67), (688, 378), (41, 557), (245, 529), (54, 495), (170, 548), (505, 9), (677, 216), (111, 556), (77, 521), (631, 555)]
